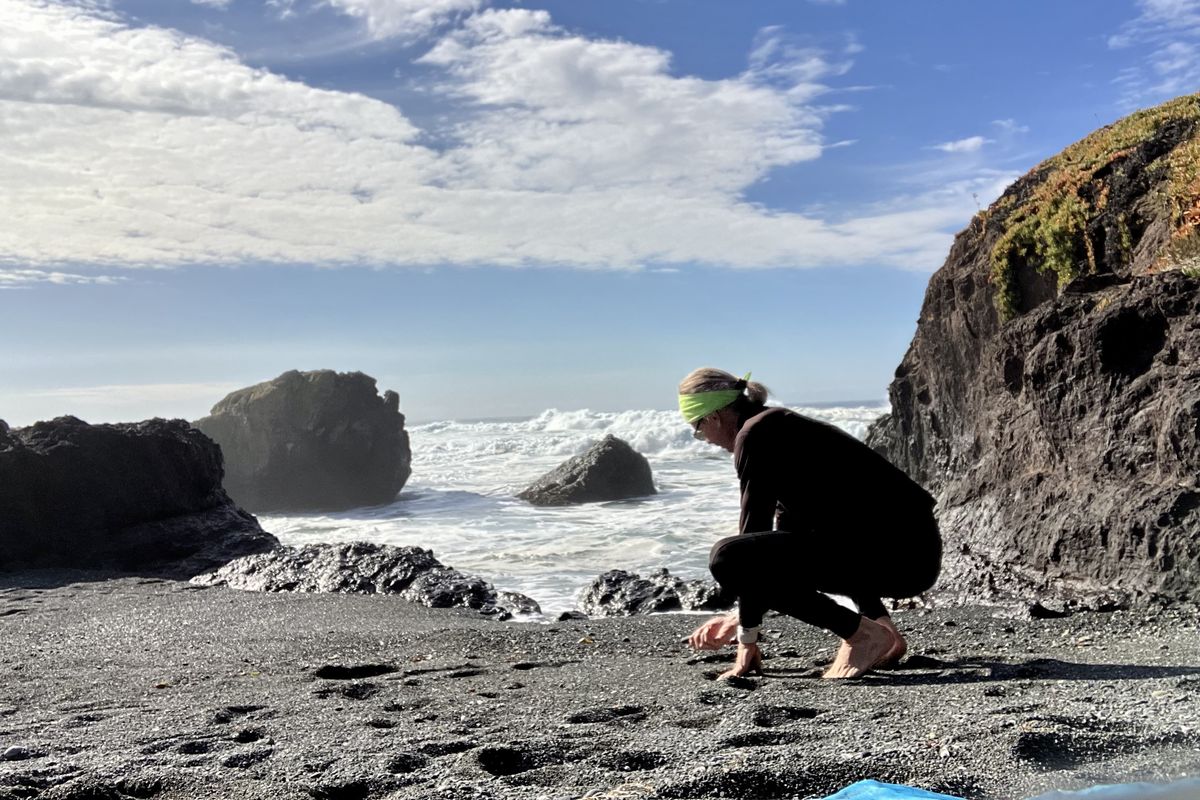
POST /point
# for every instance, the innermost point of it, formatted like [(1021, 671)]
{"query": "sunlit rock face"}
[(311, 441), (1051, 394), (141, 497)]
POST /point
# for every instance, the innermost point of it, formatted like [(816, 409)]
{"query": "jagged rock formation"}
[(309, 441), (367, 568), (618, 593), (142, 497), (1051, 394), (609, 470)]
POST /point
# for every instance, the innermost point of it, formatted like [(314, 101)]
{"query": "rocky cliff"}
[(1051, 394), (307, 441), (142, 497)]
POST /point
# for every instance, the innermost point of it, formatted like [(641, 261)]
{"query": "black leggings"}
[(791, 572)]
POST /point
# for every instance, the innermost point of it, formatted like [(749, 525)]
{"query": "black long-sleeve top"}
[(815, 476)]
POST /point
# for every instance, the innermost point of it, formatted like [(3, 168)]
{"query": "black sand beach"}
[(148, 688)]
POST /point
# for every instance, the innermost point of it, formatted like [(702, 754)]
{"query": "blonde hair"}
[(710, 379)]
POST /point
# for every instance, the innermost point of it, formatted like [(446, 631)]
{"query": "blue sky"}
[(496, 208)]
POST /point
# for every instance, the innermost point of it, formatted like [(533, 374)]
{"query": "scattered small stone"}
[(18, 753)]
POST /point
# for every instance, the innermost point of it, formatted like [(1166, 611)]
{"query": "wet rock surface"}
[(368, 568), (621, 593), (117, 691), (140, 497), (1063, 443), (308, 441), (608, 470)]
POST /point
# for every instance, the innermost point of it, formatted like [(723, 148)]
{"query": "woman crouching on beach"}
[(822, 514)]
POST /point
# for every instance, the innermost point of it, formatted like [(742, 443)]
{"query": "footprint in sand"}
[(339, 672), (774, 716), (633, 713)]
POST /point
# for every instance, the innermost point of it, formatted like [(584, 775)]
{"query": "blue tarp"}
[(874, 790), (1188, 789)]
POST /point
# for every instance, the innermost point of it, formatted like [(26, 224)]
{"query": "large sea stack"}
[(142, 497), (1051, 394), (310, 441)]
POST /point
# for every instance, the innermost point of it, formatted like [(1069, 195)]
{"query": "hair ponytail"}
[(709, 379)]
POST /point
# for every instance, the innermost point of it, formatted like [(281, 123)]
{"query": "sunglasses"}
[(696, 433)]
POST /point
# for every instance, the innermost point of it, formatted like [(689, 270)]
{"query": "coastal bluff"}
[(311, 441), (1050, 397)]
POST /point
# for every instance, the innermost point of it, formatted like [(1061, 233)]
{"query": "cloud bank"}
[(140, 146), (1170, 32)]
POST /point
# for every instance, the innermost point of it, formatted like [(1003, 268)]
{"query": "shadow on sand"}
[(927, 671)]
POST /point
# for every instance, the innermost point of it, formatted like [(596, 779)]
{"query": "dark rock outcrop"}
[(367, 568), (608, 470), (141, 497), (618, 593), (1051, 394), (309, 441)]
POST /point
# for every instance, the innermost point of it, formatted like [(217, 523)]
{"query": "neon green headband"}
[(699, 405)]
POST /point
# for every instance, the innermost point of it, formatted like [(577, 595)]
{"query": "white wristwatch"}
[(748, 635)]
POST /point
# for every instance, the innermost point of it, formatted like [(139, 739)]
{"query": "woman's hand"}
[(714, 634), (749, 662)]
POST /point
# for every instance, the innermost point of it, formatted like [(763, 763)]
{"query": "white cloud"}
[(144, 147), (404, 19), (1158, 19), (1169, 31), (1009, 127), (971, 144), (221, 4), (15, 278), (563, 113)]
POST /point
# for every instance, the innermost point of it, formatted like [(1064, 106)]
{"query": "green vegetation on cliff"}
[(1048, 227)]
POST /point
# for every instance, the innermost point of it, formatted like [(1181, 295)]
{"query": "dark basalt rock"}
[(309, 441), (609, 470), (368, 568), (1064, 443), (140, 497), (618, 593)]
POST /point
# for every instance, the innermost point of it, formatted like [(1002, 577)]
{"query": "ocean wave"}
[(565, 433)]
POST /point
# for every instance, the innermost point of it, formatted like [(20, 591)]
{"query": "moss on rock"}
[(1052, 223)]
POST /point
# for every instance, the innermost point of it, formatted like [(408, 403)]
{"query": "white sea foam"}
[(459, 501)]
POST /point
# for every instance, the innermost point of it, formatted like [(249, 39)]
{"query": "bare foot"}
[(861, 652), (899, 646)]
